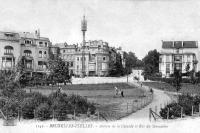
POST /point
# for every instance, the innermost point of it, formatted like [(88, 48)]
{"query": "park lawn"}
[(103, 95), (186, 88)]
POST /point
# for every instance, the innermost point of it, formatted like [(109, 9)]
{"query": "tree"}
[(151, 63), (187, 69), (59, 71), (131, 61), (116, 67), (177, 79)]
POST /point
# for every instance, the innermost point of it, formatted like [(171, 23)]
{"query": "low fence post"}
[(156, 109), (127, 107), (132, 107), (150, 114), (167, 113), (98, 114), (192, 110), (34, 114), (199, 109), (181, 112), (53, 115), (74, 114)]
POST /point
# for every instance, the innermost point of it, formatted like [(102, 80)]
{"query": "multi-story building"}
[(32, 49), (10, 49), (177, 55), (96, 58)]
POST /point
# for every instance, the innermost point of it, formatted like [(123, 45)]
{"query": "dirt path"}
[(159, 100)]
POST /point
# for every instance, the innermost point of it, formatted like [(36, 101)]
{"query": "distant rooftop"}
[(11, 36), (179, 44)]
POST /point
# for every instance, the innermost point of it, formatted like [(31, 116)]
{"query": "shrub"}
[(186, 101), (10, 108), (60, 111), (43, 111), (174, 111), (28, 108)]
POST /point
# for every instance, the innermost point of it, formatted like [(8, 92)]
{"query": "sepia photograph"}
[(99, 66)]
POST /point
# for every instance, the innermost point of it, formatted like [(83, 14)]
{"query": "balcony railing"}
[(8, 54)]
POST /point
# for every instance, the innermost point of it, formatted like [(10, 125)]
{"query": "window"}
[(177, 58), (63, 51), (160, 59), (28, 42), (167, 58), (77, 67), (45, 54), (178, 66), (71, 64), (77, 58), (27, 53), (7, 62), (188, 58), (28, 64), (67, 63), (104, 58), (40, 54), (46, 44), (167, 68), (8, 50)]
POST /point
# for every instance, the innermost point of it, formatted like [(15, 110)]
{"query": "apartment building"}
[(31, 48), (177, 55), (10, 50), (96, 58)]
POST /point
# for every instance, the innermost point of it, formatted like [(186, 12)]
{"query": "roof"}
[(9, 36), (32, 36), (179, 44)]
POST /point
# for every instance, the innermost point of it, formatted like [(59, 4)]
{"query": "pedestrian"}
[(116, 91), (122, 93), (151, 90)]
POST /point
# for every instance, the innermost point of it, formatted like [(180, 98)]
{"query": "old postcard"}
[(99, 66)]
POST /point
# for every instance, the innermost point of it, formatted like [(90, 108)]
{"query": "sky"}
[(135, 25)]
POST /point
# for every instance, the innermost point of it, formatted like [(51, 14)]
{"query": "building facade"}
[(178, 55), (96, 58), (32, 49)]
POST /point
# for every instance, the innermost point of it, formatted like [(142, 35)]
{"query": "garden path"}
[(160, 98)]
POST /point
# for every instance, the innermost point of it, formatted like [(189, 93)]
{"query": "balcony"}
[(8, 54), (28, 68)]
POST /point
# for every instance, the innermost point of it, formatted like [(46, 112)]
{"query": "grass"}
[(103, 95), (186, 88)]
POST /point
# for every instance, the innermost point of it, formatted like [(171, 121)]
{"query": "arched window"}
[(28, 42), (27, 52), (40, 54), (8, 50)]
